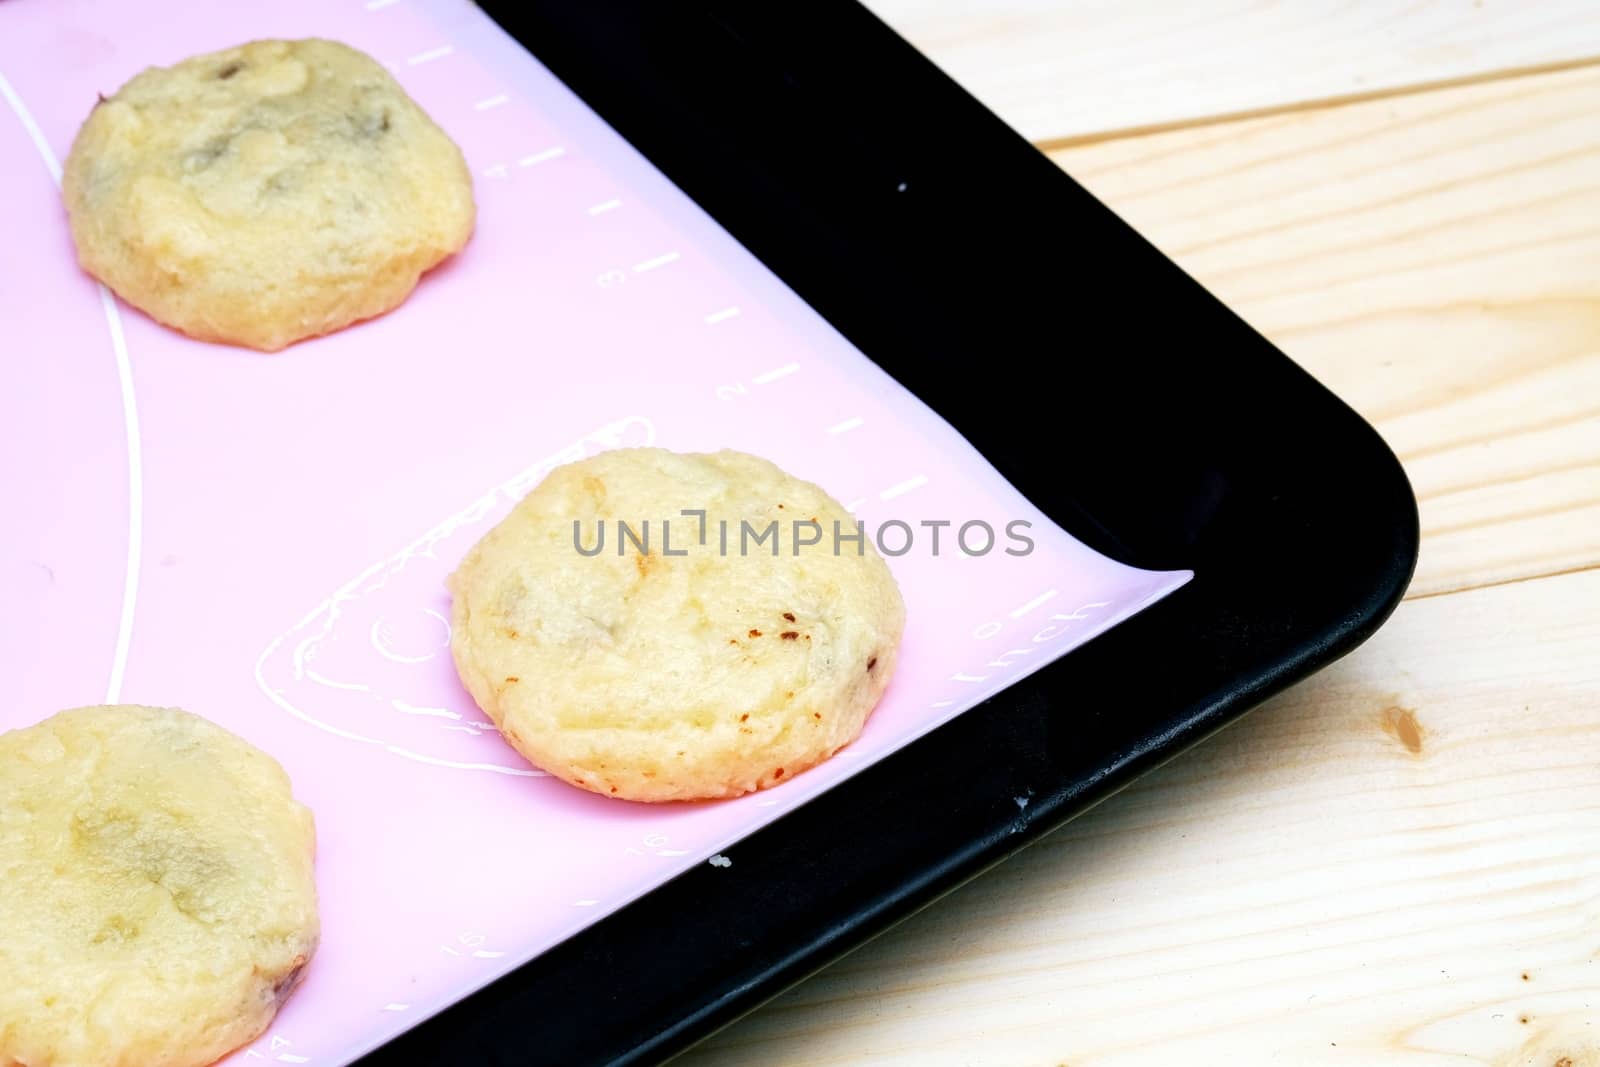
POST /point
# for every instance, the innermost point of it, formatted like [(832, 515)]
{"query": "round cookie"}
[(266, 193), (654, 675), (156, 894)]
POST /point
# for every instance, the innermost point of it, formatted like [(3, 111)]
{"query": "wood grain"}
[(1435, 260), (1058, 70), (1395, 863)]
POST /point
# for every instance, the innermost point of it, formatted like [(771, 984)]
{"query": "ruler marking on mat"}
[(542, 157), (767, 377), (902, 488), (655, 261), (1042, 598), (430, 55)]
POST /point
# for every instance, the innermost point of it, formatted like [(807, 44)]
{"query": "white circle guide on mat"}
[(130, 420)]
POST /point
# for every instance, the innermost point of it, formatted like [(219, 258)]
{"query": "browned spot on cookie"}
[(285, 985), (733, 640), (512, 679), (777, 773), (594, 487), (817, 715), (645, 562), (1565, 1061), (229, 71), (789, 635), (789, 695), (1402, 725), (1525, 977), (755, 633), (1523, 1020), (780, 507), (745, 717), (613, 789), (788, 616), (511, 633), (871, 663)]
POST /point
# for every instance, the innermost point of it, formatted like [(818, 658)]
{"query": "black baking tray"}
[(998, 290)]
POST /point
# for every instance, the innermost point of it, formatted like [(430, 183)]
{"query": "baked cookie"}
[(679, 661), (266, 193), (156, 893)]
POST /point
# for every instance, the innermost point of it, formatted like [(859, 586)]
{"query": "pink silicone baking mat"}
[(263, 539)]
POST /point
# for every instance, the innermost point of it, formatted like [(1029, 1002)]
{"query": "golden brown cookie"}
[(156, 893), (686, 666), (265, 194)]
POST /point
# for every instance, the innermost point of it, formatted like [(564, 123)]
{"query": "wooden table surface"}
[(1398, 861)]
